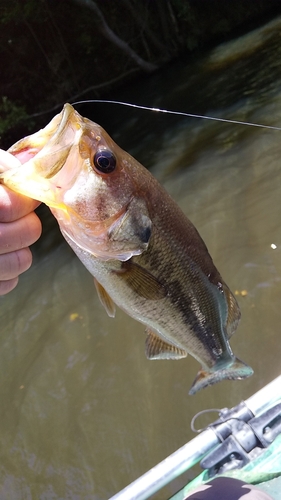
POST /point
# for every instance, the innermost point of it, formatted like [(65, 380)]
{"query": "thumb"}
[(13, 205), (7, 161)]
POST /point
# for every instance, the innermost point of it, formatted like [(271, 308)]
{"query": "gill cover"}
[(126, 236)]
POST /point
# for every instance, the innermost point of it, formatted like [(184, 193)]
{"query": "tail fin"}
[(237, 370)]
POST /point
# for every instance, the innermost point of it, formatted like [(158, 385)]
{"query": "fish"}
[(145, 255)]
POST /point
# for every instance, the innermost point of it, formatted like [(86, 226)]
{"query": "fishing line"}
[(180, 113)]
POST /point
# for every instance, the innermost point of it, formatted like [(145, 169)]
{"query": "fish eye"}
[(105, 161)]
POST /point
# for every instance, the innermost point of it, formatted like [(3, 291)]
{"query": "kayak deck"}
[(244, 443), (264, 472)]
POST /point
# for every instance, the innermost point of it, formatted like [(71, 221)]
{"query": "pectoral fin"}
[(156, 348), (142, 281), (105, 299)]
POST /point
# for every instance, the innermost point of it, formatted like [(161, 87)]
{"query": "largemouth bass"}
[(144, 254)]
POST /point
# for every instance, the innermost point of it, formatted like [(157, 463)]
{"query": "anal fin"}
[(105, 299), (156, 348)]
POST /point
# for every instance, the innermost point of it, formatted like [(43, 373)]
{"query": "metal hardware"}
[(243, 437)]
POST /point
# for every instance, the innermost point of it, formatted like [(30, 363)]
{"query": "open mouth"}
[(42, 156), (28, 147)]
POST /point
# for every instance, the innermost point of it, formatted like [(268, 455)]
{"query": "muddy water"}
[(83, 413)]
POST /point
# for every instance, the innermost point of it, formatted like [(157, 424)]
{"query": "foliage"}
[(11, 114), (51, 51)]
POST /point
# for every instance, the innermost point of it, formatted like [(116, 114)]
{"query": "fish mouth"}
[(29, 147), (42, 156)]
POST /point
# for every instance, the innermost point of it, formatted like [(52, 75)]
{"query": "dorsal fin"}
[(156, 348)]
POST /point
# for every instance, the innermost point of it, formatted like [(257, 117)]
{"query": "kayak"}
[(243, 443)]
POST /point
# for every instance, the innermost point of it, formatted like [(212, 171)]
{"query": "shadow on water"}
[(83, 413)]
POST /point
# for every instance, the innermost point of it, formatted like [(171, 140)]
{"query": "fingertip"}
[(14, 263), (24, 259), (8, 285), (37, 226)]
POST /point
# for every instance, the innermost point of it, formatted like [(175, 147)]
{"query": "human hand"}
[(19, 228)]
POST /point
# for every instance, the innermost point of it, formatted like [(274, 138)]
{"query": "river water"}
[(83, 412)]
